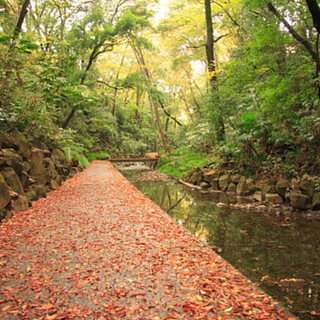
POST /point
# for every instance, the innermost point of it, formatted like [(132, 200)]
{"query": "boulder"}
[(224, 182), (10, 158), (19, 142), (273, 198), (251, 185), (75, 162), (232, 188), (64, 171), (50, 169), (54, 184), (210, 174), (26, 166), (12, 179), (214, 183), (300, 201), (241, 188), (195, 176), (31, 195), (21, 204), (58, 156), (307, 186), (3, 214), (40, 190), (40, 145), (38, 171), (267, 188), (281, 187), (4, 193), (25, 179), (204, 185), (316, 201), (257, 196), (236, 178), (75, 170)]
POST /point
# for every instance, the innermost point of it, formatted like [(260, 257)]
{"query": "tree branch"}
[(23, 13), (294, 33), (220, 37), (315, 12)]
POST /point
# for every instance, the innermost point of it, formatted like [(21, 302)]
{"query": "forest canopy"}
[(237, 79)]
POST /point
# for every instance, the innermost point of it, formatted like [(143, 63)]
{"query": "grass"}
[(97, 156), (181, 161)]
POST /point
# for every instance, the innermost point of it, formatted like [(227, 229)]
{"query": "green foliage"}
[(317, 185), (135, 18), (69, 142), (133, 147), (198, 135), (80, 157), (97, 156), (265, 96), (181, 161)]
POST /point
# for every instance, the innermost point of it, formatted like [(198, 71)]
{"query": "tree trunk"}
[(210, 43), (315, 12), (153, 102), (22, 16), (18, 28), (294, 33), (220, 128), (314, 52), (94, 54)]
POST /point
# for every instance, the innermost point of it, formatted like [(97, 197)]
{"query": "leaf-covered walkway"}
[(97, 248)]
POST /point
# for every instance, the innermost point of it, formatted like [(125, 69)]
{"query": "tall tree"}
[(312, 49), (211, 59)]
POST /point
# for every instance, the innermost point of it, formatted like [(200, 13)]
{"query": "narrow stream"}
[(257, 244)]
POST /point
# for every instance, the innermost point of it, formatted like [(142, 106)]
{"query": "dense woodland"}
[(237, 80)]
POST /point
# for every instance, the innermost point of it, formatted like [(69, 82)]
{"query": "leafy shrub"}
[(97, 156), (181, 161)]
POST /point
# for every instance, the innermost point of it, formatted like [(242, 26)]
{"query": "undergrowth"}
[(181, 161)]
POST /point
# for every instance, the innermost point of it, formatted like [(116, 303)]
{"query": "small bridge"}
[(133, 159), (151, 161)]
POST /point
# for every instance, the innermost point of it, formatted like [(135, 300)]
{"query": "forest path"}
[(97, 248)]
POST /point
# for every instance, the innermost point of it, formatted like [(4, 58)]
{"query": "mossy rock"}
[(232, 188), (300, 201), (251, 185), (241, 188), (21, 204), (316, 201), (307, 187), (12, 179), (224, 181), (4, 193), (282, 186), (273, 198), (38, 171), (19, 142)]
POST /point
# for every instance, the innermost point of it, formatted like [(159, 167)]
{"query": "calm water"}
[(258, 244)]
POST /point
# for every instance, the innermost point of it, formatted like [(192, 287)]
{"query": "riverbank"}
[(277, 250), (90, 250), (259, 188)]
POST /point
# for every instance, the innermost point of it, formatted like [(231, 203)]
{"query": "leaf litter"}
[(97, 248)]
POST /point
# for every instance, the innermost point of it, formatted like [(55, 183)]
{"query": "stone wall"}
[(299, 193), (28, 173)]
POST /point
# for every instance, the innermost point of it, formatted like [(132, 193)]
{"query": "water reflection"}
[(257, 244)]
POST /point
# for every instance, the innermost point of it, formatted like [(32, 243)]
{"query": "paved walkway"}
[(97, 248)]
